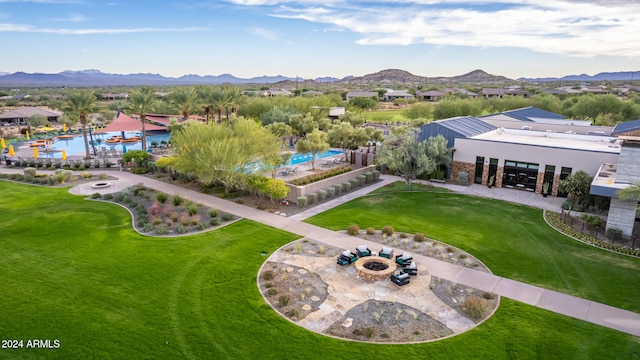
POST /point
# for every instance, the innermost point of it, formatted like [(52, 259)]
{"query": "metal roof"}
[(452, 128), (627, 127), (530, 113)]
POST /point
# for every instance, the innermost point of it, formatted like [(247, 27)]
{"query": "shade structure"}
[(2, 144), (64, 127), (26, 134), (35, 152), (11, 151), (64, 155), (127, 123)]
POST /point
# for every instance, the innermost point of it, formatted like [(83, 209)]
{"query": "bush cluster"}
[(321, 175), (476, 307), (387, 230), (353, 230)]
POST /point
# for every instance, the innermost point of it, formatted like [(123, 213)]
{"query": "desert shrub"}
[(354, 183), (192, 209), (338, 189), (403, 236), (29, 171), (489, 296), (85, 175), (195, 219), (302, 201), (156, 220), (361, 179), (214, 221), (376, 174), (476, 307), (227, 217), (213, 213), (387, 230), (267, 275), (148, 227), (272, 291), (202, 226), (102, 176), (119, 197), (312, 198), (592, 220), (371, 231), (184, 219), (614, 233), (107, 196), (353, 230), (182, 229), (283, 300), (162, 230), (463, 178), (161, 197), (322, 194), (331, 191), (155, 209), (419, 237), (177, 200), (369, 176), (346, 186)]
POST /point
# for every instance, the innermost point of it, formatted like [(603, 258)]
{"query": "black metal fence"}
[(599, 232)]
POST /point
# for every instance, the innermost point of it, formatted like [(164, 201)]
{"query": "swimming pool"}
[(301, 158), (75, 146)]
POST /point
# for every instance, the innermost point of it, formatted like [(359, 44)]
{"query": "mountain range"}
[(389, 76)]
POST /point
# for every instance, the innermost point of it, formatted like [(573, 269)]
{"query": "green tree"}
[(355, 119), (278, 115), (280, 130), (36, 120), (577, 186), (80, 104), (346, 137), (363, 103), (314, 143), (184, 100), (451, 107), (142, 102), (438, 151), (419, 111), (405, 155), (302, 125), (277, 190), (547, 102)]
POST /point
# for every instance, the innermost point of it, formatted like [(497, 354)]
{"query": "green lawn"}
[(513, 240), (74, 270), (392, 116)]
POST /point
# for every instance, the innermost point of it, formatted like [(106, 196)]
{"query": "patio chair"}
[(401, 279), (347, 257), (294, 170), (412, 269), (284, 171), (363, 250), (326, 164), (404, 259), (386, 253)]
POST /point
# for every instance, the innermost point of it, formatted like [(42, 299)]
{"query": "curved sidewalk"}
[(590, 311)]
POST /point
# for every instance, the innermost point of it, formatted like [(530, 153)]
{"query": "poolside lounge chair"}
[(404, 259), (412, 269), (386, 253), (326, 163), (284, 171), (347, 257), (363, 250), (294, 170), (401, 279)]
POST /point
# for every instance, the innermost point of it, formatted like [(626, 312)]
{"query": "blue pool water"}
[(75, 146), (301, 158)]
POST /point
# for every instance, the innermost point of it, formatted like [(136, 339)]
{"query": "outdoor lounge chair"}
[(386, 253), (401, 279), (294, 170), (347, 257), (404, 259), (412, 269), (363, 250), (284, 171)]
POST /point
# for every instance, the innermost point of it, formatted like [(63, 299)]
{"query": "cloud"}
[(30, 29), (571, 27), (74, 18), (264, 33)]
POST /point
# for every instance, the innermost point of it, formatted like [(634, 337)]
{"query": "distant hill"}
[(394, 76), (603, 76), (98, 78)]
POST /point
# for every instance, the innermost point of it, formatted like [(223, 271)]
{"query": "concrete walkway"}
[(593, 312)]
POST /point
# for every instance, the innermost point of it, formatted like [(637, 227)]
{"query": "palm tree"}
[(82, 103), (206, 98), (141, 103), (630, 193), (231, 96), (184, 99)]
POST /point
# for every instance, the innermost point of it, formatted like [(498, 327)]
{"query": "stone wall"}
[(457, 166), (303, 190), (622, 215)]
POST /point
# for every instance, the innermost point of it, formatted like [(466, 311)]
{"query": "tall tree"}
[(36, 120), (81, 104), (346, 137), (142, 102), (314, 143), (184, 100), (206, 98), (405, 155)]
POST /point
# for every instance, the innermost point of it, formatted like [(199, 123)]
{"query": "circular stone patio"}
[(303, 283), (92, 187)]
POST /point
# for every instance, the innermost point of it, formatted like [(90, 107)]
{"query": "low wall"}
[(303, 190)]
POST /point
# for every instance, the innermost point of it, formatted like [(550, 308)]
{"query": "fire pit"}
[(101, 185), (375, 268)]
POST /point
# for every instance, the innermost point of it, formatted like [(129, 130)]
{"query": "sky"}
[(313, 38)]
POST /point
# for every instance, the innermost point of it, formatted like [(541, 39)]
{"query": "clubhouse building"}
[(525, 148)]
